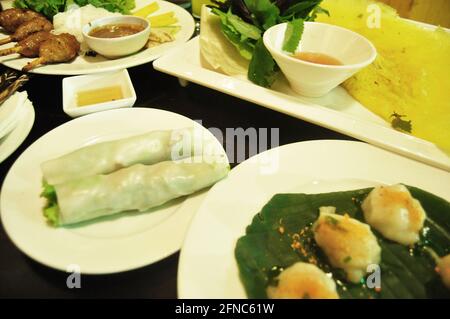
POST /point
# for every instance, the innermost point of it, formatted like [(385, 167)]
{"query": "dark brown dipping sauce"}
[(317, 58), (116, 30)]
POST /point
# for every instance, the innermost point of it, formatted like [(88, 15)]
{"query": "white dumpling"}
[(444, 270), (303, 281), (349, 244), (393, 212)]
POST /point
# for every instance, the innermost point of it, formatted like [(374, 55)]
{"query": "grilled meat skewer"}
[(28, 47), (11, 19), (28, 28), (58, 48)]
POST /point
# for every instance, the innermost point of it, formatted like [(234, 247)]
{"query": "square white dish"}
[(75, 84), (337, 111)]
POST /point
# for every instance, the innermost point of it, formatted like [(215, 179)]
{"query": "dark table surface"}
[(22, 277)]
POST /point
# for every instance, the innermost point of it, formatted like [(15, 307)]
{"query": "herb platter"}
[(337, 111)]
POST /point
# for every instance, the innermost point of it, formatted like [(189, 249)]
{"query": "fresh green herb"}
[(51, 7), (262, 69), (293, 35), (48, 7), (400, 124), (240, 33), (243, 23), (51, 210)]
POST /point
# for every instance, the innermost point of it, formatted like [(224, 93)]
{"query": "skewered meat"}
[(59, 48), (28, 28), (11, 19), (28, 47)]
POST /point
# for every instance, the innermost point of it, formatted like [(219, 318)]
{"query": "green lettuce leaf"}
[(243, 23), (51, 209), (262, 69), (47, 7), (264, 13), (240, 33), (293, 35), (51, 7)]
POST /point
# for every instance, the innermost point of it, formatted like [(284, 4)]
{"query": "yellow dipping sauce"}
[(102, 95)]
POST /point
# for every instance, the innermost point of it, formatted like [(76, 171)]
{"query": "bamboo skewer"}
[(35, 63), (6, 40), (9, 51)]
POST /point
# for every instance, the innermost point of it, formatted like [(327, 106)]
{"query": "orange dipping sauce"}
[(317, 58)]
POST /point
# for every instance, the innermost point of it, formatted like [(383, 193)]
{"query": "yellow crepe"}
[(411, 74)]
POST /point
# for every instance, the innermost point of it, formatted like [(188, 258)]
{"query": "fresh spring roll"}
[(136, 188), (107, 157)]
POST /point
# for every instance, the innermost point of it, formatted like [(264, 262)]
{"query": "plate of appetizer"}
[(89, 39), (389, 103), (321, 219), (105, 200)]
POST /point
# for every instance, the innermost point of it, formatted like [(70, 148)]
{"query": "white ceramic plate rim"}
[(183, 62), (186, 21), (17, 135), (122, 253), (207, 268)]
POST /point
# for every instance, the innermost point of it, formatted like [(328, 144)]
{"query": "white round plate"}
[(207, 267), (88, 65), (107, 246), (10, 142)]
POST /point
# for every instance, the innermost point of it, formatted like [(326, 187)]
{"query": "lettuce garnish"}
[(243, 23)]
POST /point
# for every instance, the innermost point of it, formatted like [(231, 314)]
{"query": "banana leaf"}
[(406, 272)]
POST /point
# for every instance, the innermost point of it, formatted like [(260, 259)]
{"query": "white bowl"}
[(314, 80), (73, 85), (117, 47)]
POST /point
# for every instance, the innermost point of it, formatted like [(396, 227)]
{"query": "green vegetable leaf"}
[(400, 124), (246, 30), (48, 7), (122, 6), (293, 35), (301, 9), (51, 210), (263, 69), (244, 41), (51, 7), (264, 12)]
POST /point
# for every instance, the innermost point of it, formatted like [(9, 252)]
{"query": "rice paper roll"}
[(136, 188), (107, 157)]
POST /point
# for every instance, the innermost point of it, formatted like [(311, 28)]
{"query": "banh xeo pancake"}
[(136, 188), (410, 76), (107, 157), (282, 235)]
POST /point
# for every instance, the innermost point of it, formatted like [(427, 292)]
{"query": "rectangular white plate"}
[(337, 111)]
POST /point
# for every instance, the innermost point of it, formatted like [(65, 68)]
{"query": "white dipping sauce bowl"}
[(75, 84), (315, 80), (121, 46)]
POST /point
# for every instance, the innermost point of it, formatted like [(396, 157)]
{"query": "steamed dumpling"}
[(303, 281), (444, 270), (349, 244), (393, 212)]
